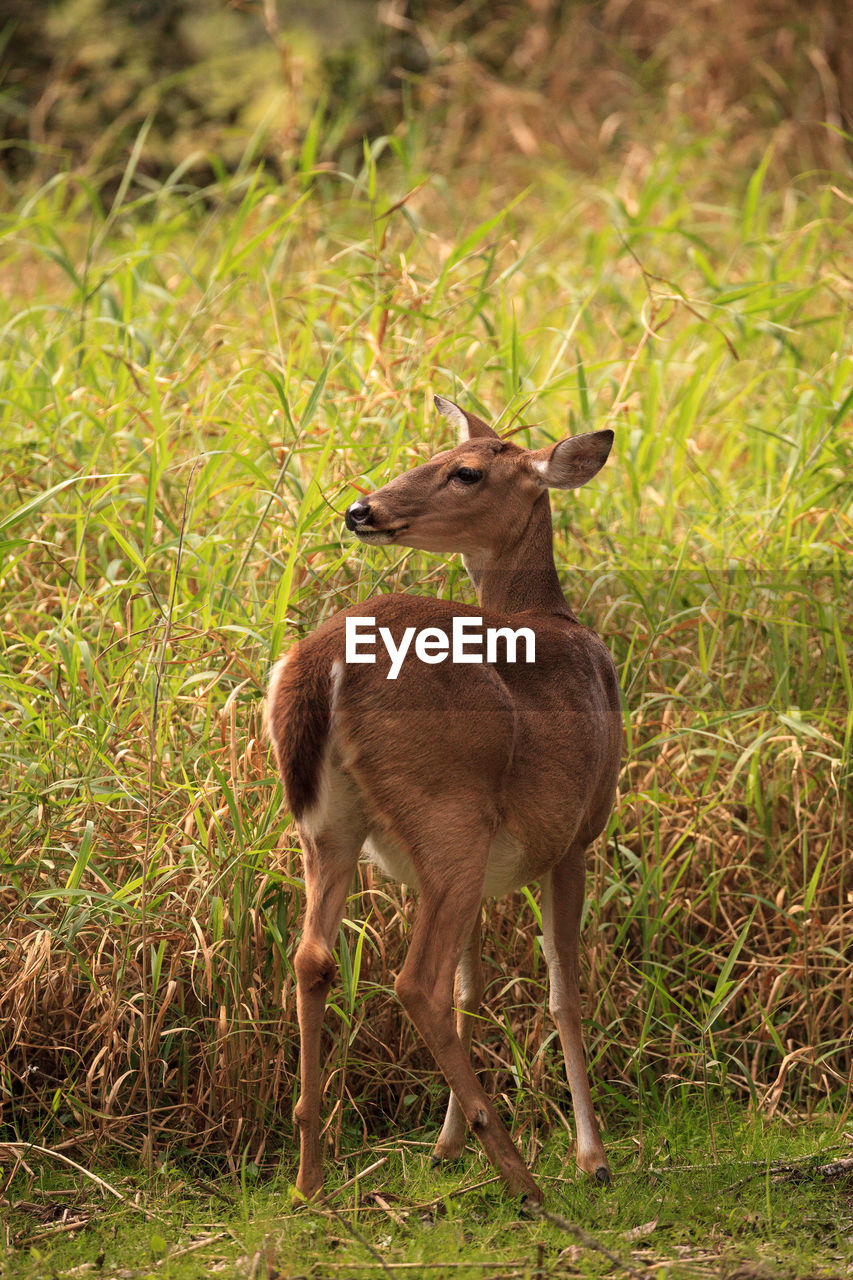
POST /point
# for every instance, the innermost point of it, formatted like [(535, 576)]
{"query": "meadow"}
[(196, 382)]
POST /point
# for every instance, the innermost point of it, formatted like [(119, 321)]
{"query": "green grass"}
[(756, 1205), (194, 384)]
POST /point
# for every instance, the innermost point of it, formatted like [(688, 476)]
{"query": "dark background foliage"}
[(80, 77)]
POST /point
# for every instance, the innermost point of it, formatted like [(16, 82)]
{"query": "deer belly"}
[(389, 856), (506, 869)]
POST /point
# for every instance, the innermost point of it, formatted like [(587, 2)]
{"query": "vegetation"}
[(197, 380), (593, 80), (758, 1204)]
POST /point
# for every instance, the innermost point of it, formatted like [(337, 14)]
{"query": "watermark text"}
[(469, 641)]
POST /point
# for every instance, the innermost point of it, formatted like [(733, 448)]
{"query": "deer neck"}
[(521, 576)]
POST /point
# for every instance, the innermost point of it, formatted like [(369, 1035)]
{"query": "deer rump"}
[(337, 730)]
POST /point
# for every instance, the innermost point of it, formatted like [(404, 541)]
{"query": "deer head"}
[(478, 497)]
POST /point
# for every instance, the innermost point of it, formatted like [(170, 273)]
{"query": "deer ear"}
[(570, 463), (467, 425)]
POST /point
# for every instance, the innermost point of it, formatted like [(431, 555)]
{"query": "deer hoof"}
[(531, 1203), (446, 1153), (308, 1194), (602, 1176)]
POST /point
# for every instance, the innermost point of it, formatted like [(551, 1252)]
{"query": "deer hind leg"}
[(562, 904), (449, 903), (329, 866), (467, 994)]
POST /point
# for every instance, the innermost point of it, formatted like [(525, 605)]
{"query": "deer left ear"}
[(468, 426), (570, 463)]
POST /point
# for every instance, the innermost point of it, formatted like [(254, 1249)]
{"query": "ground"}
[(747, 1198)]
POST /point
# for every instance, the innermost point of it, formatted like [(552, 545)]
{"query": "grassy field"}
[(196, 383), (763, 1201)]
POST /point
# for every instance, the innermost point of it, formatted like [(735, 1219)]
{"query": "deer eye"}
[(468, 475)]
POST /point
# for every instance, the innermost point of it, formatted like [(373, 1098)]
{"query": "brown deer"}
[(464, 779)]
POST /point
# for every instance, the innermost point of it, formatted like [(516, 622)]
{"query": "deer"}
[(464, 780)]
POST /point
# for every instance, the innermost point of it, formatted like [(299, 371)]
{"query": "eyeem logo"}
[(433, 645)]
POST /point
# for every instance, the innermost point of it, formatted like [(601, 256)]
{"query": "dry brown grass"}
[(591, 82), (686, 869)]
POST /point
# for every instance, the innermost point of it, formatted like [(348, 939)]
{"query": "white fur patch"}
[(272, 692), (507, 866), (336, 675), (390, 857)]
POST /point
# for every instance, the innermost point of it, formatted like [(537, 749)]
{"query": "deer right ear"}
[(467, 425), (570, 463)]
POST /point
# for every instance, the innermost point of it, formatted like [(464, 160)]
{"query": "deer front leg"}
[(468, 995), (327, 879), (562, 904), (448, 910)]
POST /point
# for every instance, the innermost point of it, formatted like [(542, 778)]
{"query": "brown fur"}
[(546, 797)]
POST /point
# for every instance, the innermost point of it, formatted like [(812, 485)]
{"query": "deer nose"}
[(358, 513)]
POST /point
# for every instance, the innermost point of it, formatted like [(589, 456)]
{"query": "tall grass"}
[(196, 384)]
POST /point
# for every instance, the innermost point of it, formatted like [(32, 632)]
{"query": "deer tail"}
[(297, 718)]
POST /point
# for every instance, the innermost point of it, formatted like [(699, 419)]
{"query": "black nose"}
[(358, 513)]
